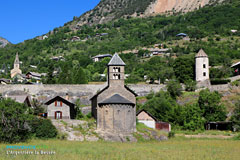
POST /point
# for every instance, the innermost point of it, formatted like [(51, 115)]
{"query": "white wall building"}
[(201, 66)]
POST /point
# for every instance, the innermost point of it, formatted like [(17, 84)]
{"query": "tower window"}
[(116, 69), (116, 76), (204, 74), (204, 65)]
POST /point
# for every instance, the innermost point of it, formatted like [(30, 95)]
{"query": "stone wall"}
[(84, 92)]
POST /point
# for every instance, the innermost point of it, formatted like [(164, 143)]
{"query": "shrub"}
[(174, 88), (171, 134), (44, 129), (190, 85), (15, 121)]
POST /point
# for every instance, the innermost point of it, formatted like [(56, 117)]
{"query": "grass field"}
[(174, 149)]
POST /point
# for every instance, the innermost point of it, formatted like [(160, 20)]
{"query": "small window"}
[(116, 69), (116, 76), (204, 65), (204, 74)]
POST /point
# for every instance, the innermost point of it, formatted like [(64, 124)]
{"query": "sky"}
[(25, 19)]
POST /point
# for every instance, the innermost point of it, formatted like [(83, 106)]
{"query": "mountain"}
[(3, 42), (108, 10)]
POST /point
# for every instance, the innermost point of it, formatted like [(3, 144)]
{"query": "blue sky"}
[(25, 19)]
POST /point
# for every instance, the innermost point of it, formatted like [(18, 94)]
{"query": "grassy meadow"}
[(177, 148)]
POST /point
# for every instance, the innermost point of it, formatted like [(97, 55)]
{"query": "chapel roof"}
[(116, 99)]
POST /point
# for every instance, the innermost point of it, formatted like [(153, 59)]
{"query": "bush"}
[(220, 81), (15, 121), (44, 129), (171, 134), (190, 85), (174, 88), (235, 83)]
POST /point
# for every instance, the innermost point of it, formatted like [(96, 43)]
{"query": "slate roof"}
[(51, 100), (116, 99), (235, 65), (116, 61), (103, 56), (201, 53), (143, 110), (181, 34)]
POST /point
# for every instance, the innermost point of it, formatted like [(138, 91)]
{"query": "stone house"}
[(60, 108), (24, 99), (146, 118), (150, 121), (100, 57), (114, 107)]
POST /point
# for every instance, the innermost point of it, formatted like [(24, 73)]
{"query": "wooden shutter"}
[(55, 103), (60, 115), (61, 103)]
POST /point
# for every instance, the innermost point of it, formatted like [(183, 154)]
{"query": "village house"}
[(75, 38), (114, 107), (24, 99), (150, 121), (236, 68), (100, 57), (34, 75), (60, 108), (58, 58), (5, 81)]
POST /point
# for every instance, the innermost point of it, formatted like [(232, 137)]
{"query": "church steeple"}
[(16, 67), (16, 62), (116, 68)]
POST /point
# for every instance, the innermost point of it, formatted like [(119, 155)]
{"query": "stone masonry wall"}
[(84, 92)]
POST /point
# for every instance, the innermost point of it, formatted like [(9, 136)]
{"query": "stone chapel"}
[(114, 107)]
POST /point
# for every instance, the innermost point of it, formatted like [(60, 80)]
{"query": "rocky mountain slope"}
[(3, 42), (108, 10)]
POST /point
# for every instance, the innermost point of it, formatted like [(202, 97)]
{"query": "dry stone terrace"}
[(82, 92)]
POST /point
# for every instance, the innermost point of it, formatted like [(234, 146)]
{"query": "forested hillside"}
[(209, 28)]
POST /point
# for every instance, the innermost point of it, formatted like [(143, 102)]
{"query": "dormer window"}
[(116, 69)]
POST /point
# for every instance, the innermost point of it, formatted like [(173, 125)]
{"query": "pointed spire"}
[(116, 61), (201, 53), (16, 59)]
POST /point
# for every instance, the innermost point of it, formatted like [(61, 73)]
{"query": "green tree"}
[(184, 68), (174, 88), (212, 109), (15, 121), (236, 116), (161, 106), (193, 118)]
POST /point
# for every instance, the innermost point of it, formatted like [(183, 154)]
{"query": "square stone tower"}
[(114, 107)]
